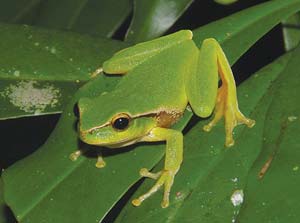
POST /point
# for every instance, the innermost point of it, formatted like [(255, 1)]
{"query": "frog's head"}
[(103, 122)]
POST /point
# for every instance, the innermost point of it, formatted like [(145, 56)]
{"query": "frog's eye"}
[(121, 121)]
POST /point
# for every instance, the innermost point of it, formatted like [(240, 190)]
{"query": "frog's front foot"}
[(165, 177), (228, 107)]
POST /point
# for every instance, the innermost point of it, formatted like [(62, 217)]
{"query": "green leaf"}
[(291, 31), (48, 187), (40, 70), (18, 11), (2, 205), (153, 18), (100, 18), (60, 182), (5, 214), (274, 197)]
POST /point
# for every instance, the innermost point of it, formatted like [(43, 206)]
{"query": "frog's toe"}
[(74, 156), (249, 122), (234, 117), (165, 203), (145, 173), (207, 127), (136, 202), (100, 162), (229, 141)]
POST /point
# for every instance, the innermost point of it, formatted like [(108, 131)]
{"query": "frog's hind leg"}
[(204, 95)]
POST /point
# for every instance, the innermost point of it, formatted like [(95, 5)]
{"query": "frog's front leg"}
[(204, 95), (174, 150)]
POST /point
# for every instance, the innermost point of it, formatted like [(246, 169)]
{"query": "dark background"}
[(20, 137)]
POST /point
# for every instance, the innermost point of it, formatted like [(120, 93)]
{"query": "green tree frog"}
[(161, 78)]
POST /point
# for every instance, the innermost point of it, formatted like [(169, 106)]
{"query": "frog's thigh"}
[(174, 151), (202, 84)]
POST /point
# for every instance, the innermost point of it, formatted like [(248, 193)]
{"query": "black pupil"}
[(121, 123)]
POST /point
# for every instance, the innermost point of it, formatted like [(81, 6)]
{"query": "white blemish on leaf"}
[(53, 50), (17, 73), (237, 197), (31, 98), (292, 118), (235, 180)]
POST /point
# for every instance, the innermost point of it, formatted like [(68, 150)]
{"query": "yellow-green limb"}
[(204, 95), (173, 160)]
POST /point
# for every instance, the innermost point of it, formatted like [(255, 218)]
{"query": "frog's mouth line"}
[(97, 142)]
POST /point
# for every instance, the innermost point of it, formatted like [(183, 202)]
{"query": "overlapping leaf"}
[(152, 18), (101, 18)]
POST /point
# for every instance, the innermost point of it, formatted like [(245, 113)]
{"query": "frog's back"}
[(158, 83)]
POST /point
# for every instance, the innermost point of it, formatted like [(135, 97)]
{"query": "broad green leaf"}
[(153, 18), (210, 172), (18, 11), (5, 214), (273, 197), (100, 18), (40, 70), (54, 189), (2, 205), (291, 31), (51, 187)]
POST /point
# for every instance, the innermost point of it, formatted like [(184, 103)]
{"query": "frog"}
[(160, 79)]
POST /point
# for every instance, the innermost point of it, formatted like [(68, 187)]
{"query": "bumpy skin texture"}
[(161, 77)]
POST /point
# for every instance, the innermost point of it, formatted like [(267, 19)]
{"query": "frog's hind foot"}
[(228, 107)]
